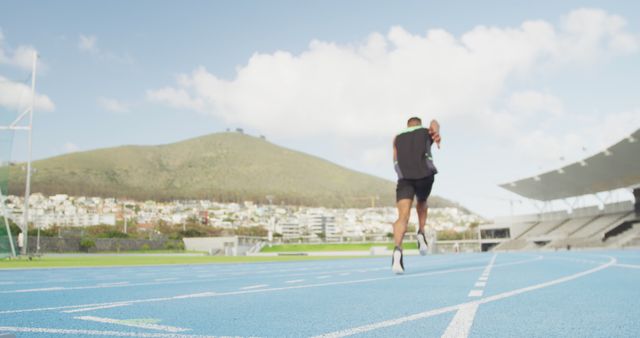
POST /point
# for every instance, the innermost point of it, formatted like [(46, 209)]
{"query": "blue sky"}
[(516, 86)]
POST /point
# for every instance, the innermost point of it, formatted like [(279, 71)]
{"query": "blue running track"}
[(529, 294)]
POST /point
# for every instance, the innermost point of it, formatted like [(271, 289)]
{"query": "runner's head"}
[(414, 121)]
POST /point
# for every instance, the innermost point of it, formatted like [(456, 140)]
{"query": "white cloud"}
[(17, 96), (14, 95), (365, 91), (532, 102), (113, 105), (89, 44), (592, 33), (21, 56), (333, 89)]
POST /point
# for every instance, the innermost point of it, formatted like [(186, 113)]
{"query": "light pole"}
[(124, 216), (30, 172)]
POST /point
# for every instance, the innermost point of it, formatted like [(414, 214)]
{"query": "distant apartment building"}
[(321, 225), (291, 228), (45, 220)]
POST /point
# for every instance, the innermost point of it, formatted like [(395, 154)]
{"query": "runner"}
[(414, 165)]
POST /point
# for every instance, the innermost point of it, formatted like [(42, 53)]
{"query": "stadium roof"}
[(614, 168)]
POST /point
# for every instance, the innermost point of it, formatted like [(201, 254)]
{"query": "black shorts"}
[(407, 188)]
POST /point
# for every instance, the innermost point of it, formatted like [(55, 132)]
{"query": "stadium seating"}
[(571, 226), (584, 228), (543, 228), (515, 245), (601, 224)]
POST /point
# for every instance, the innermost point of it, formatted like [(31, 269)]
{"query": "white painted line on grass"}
[(460, 325), (98, 333), (132, 323), (435, 312), (292, 287), (475, 293), (259, 286)]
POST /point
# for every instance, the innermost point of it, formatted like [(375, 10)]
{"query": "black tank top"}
[(414, 160)]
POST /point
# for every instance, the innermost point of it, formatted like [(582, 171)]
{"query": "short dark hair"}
[(414, 120)]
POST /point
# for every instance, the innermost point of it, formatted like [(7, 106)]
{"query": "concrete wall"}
[(222, 246), (55, 244), (213, 245)]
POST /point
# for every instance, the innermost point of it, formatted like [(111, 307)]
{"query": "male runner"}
[(414, 166)]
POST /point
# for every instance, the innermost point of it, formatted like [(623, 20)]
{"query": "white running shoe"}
[(423, 245), (396, 262)]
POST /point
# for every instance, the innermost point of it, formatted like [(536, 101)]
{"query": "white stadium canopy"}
[(614, 168)]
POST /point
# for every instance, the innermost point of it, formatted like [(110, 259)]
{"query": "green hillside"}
[(224, 167)]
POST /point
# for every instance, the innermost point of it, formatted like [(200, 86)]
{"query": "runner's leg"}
[(400, 226)]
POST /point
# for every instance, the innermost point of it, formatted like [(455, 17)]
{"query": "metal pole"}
[(27, 190), (38, 240), (124, 216), (6, 223)]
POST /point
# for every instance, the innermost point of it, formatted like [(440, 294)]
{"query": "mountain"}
[(224, 167)]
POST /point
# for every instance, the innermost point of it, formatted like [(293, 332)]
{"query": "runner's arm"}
[(395, 151), (434, 131)]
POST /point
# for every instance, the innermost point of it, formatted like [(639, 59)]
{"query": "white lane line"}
[(251, 287), (293, 287), (165, 279), (323, 277), (195, 295), (167, 282), (475, 293), (434, 312), (84, 309), (56, 288), (112, 284), (629, 266), (132, 323), (219, 277), (586, 261), (344, 274), (294, 281), (98, 333), (461, 323)]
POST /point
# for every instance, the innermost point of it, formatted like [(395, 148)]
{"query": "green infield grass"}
[(89, 260), (332, 247)]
